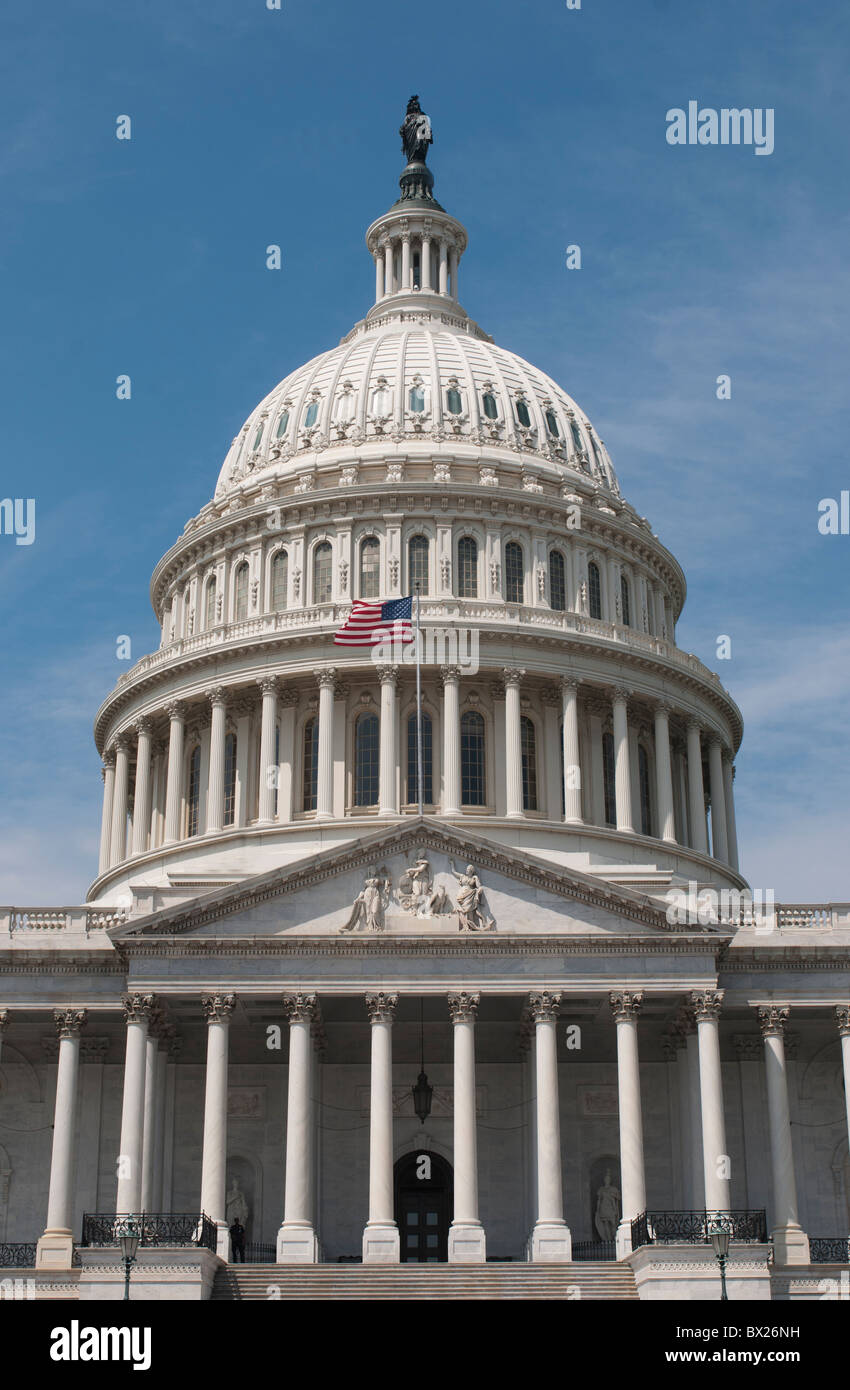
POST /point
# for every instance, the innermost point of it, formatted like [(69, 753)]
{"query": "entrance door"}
[(423, 1206)]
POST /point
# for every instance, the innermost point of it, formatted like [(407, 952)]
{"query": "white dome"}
[(359, 394)]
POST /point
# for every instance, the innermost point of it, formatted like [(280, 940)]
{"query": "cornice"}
[(416, 947)]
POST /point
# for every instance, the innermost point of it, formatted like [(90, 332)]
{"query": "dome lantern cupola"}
[(416, 246)]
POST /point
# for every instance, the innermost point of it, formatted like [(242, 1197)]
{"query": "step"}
[(356, 1281)]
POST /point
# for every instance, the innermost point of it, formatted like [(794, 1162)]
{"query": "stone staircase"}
[(579, 1280)]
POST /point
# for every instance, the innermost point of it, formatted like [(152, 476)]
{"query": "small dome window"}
[(552, 424), (491, 410), (310, 414), (417, 398), (576, 434), (522, 414), (454, 404), (258, 438), (282, 425)]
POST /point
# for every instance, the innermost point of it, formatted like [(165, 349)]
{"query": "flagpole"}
[(418, 705)]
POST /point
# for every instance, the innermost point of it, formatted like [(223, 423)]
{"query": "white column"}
[(622, 772), (467, 1242), (790, 1242), (632, 1173), (118, 837), (296, 1239), (215, 786), (444, 266), (697, 1175), (268, 765), (388, 267), (217, 1008), (719, 843), (572, 754), (138, 1009), (715, 1155), (513, 743), (451, 740), (664, 775), (696, 791), (380, 1238), (729, 794), (405, 261), (426, 263), (286, 764), (379, 276), (108, 774), (388, 755), (149, 1117), (453, 259), (325, 770), (244, 724), (550, 1239), (142, 796), (174, 785), (159, 1116), (56, 1246)]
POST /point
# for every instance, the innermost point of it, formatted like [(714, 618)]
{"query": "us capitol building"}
[(473, 1051)]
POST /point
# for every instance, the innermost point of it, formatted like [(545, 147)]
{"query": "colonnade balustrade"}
[(587, 782), (707, 1184)]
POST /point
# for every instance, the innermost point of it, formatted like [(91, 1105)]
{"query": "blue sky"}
[(253, 126)]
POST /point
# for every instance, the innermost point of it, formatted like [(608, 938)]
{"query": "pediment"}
[(412, 881)]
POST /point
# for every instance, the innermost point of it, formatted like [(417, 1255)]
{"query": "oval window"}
[(491, 410), (453, 401), (282, 424), (257, 439), (552, 424), (312, 412), (522, 414), (417, 398)]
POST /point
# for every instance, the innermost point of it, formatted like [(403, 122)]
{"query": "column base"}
[(381, 1243), (467, 1243), (55, 1250), (551, 1241), (623, 1240), (297, 1244), (790, 1245)]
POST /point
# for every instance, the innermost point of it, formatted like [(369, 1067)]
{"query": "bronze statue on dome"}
[(415, 133)]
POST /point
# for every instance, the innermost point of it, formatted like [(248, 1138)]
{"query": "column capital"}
[(138, 1008), (326, 677), (218, 1007), (570, 685), (715, 741), (4, 1020), (267, 684), (772, 1020), (625, 1006), (706, 1004), (512, 675), (544, 1007), (463, 1007), (122, 742), (143, 725), (216, 695), (693, 726), (842, 1018), (176, 709), (381, 1007), (664, 707), (449, 674), (622, 692), (300, 1008), (387, 675), (70, 1022), (107, 762)]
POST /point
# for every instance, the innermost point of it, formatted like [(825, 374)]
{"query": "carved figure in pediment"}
[(418, 893), (471, 908), (367, 913)]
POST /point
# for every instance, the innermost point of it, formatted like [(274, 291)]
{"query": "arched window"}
[(594, 590), (280, 576), (382, 400), (625, 601), (258, 438), (577, 439), (282, 425), (370, 567), (322, 573), (491, 409), (417, 398), (522, 414), (240, 603), (310, 414), (413, 762), (513, 573), (454, 404), (608, 779), (557, 582), (209, 604), (552, 424), (417, 565), (230, 779), (467, 567), (366, 756), (310, 777), (528, 737), (193, 791), (473, 782), (643, 785)]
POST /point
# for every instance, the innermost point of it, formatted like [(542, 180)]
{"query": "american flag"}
[(368, 623)]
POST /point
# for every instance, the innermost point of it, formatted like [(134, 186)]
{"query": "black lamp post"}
[(720, 1242), (422, 1092), (128, 1229)]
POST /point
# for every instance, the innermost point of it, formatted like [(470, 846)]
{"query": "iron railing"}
[(833, 1250), (695, 1227), (157, 1228), (594, 1250), (18, 1255), (257, 1253)]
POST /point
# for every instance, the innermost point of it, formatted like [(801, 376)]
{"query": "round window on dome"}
[(282, 425), (522, 414)]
